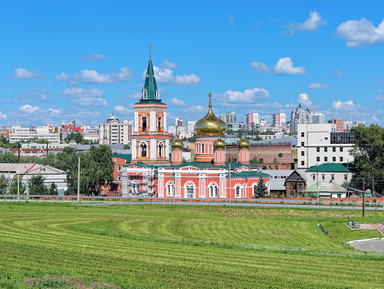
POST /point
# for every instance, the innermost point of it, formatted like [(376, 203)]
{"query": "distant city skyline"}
[(84, 60)]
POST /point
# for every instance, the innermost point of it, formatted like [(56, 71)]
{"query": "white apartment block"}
[(191, 127), (19, 133), (279, 119), (91, 133), (321, 143), (251, 120), (115, 132)]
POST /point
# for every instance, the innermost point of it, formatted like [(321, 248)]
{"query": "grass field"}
[(182, 247)]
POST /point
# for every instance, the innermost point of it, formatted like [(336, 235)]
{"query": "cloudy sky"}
[(83, 60)]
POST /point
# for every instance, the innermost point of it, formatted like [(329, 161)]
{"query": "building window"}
[(333, 159), (119, 168), (317, 159), (302, 163), (325, 149), (334, 149), (144, 122), (302, 143), (302, 134), (170, 189), (302, 153), (341, 149), (313, 177), (332, 177), (157, 94), (318, 149), (325, 159), (189, 190), (160, 150), (159, 123), (323, 177), (145, 93), (341, 159), (202, 149), (143, 149), (237, 192), (213, 190), (345, 177)]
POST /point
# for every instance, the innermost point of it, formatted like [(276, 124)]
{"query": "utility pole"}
[(230, 198), (78, 180), (363, 196)]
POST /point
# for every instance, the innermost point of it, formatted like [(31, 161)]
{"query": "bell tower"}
[(150, 140)]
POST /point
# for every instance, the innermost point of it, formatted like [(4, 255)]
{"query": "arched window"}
[(135, 187), (144, 122), (143, 150), (244, 191), (237, 192), (189, 190), (213, 190), (170, 187), (157, 94), (202, 149), (145, 93), (159, 123), (160, 149)]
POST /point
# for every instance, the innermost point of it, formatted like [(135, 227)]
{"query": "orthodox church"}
[(153, 173)]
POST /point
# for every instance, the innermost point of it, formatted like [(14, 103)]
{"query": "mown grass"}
[(185, 247)]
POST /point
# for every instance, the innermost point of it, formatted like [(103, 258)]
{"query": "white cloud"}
[(340, 105), (360, 33), (304, 100), (260, 67), (249, 95), (337, 73), (136, 95), (184, 79), (125, 74), (162, 75), (2, 115), (317, 85), (56, 112), (313, 22), (177, 102), (123, 110), (285, 66), (168, 64), (93, 57), (62, 76), (22, 73), (80, 92), (91, 101), (28, 108), (379, 98), (91, 76), (196, 109)]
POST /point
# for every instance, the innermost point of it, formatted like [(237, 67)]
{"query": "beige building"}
[(115, 132)]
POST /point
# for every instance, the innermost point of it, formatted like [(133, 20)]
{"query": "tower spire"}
[(150, 47), (150, 91)]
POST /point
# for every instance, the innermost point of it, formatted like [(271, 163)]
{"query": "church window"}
[(237, 192), (157, 94), (213, 190), (170, 189), (143, 150), (145, 93), (202, 149), (144, 122), (189, 190), (159, 122), (160, 150)]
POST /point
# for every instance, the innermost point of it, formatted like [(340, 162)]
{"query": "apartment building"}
[(115, 132)]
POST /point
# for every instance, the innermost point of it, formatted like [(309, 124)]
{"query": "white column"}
[(153, 148), (136, 122), (152, 121), (165, 121), (178, 186), (167, 148), (133, 148), (222, 186), (161, 186)]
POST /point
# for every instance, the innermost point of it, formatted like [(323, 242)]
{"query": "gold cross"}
[(210, 97), (150, 50)]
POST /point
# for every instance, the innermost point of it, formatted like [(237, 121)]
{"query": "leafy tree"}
[(13, 188), (261, 190), (8, 157), (368, 153), (4, 183), (53, 189), (36, 185), (127, 146)]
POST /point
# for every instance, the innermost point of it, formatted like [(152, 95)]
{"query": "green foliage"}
[(36, 186), (253, 161), (368, 153), (77, 137), (4, 183), (261, 190), (53, 189), (8, 157), (13, 188), (127, 147)]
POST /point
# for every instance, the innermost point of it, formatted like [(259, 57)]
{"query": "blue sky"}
[(83, 60)]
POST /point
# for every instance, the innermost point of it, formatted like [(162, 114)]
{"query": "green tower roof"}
[(150, 93)]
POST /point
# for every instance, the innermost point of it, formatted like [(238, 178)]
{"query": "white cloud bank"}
[(123, 110), (285, 66), (313, 22), (343, 105), (93, 77), (248, 95), (177, 102), (85, 97), (260, 67), (318, 85), (29, 108), (357, 33), (22, 73)]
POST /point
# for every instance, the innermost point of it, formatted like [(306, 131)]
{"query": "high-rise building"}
[(178, 121), (115, 132), (279, 119), (299, 116), (350, 124), (191, 127), (339, 123), (230, 117), (317, 117), (251, 120)]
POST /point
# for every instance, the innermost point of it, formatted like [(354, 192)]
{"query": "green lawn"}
[(185, 246)]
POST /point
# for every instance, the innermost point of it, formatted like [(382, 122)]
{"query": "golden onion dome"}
[(177, 144), (219, 144), (243, 143), (210, 125)]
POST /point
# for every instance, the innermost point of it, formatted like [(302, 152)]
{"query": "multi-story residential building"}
[(115, 132), (19, 133), (91, 132), (251, 120), (339, 124), (191, 127), (279, 119), (230, 117), (321, 143), (299, 116), (350, 124), (317, 117), (178, 121)]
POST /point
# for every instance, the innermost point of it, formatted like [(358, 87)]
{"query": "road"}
[(369, 245)]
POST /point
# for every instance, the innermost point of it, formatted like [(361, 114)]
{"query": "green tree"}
[(8, 157), (53, 189), (127, 146), (36, 185), (13, 188), (261, 190), (4, 183), (368, 154)]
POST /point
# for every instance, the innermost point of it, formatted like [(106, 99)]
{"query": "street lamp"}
[(78, 179)]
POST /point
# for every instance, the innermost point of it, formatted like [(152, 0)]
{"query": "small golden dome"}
[(210, 125), (243, 143), (177, 144), (219, 144)]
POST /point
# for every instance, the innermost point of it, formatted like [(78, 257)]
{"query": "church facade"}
[(157, 168)]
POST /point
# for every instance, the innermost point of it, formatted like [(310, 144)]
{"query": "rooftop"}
[(332, 167)]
